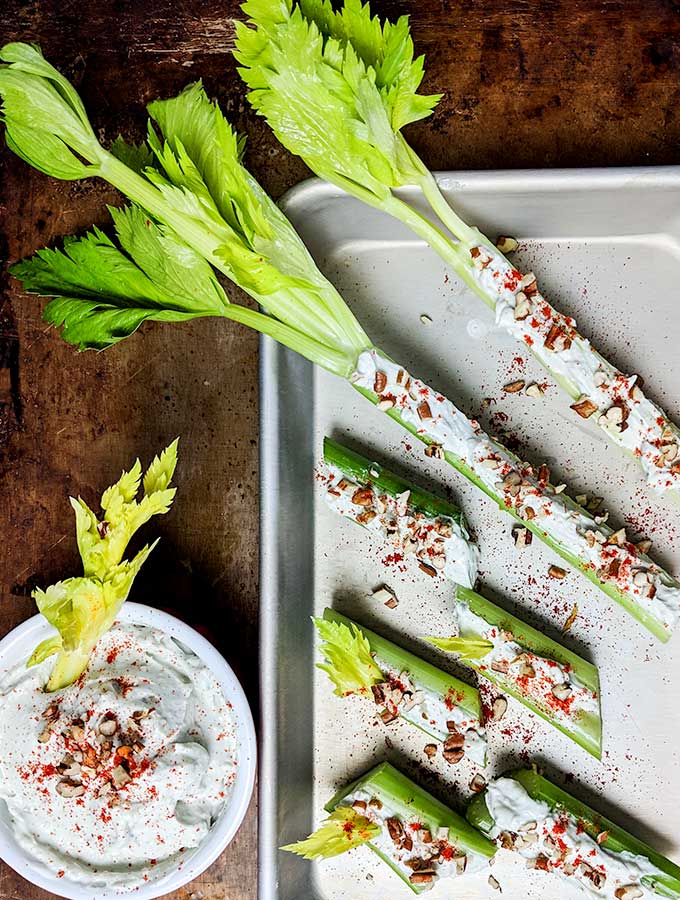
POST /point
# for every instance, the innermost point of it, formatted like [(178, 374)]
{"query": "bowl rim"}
[(223, 831)]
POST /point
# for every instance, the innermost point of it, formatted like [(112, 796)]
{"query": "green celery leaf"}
[(137, 157), (465, 648), (102, 543), (362, 76), (46, 121), (103, 294), (82, 610), (349, 663), (343, 830)]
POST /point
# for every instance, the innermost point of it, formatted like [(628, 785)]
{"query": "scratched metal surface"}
[(606, 249)]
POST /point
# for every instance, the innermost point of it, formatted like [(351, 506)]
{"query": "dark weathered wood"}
[(525, 83)]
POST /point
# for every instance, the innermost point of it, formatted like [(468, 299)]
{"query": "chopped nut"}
[(444, 528), (453, 756), (529, 513), (386, 404), (617, 538), (585, 407), (557, 572), (434, 451), (359, 805), (561, 691), (526, 670), (506, 244), (120, 777), (522, 306), (430, 750), (581, 499), (594, 504), (534, 390), (425, 319), (380, 382), (500, 665), (375, 803), (640, 578), (528, 284), (429, 570), (384, 595), (51, 712), (602, 837), (572, 618), (108, 727), (388, 716), (366, 516), (422, 877), (477, 784), (511, 483), (77, 733), (539, 862), (70, 789), (522, 536), (423, 410), (557, 339), (615, 416), (494, 884), (362, 497), (628, 892), (598, 878), (499, 707), (644, 546), (514, 387), (454, 741), (559, 488), (395, 829)]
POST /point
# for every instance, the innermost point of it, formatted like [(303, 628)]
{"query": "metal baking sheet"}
[(606, 248)]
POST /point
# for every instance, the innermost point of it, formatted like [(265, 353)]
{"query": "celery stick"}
[(575, 832), (574, 709), (402, 798), (439, 704)]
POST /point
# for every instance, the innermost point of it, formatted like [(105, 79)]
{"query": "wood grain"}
[(526, 83)]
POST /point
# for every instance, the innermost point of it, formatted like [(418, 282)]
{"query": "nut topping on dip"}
[(116, 779)]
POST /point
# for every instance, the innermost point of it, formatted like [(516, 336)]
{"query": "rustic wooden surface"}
[(525, 83)]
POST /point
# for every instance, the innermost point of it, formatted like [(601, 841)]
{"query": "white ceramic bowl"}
[(18, 645)]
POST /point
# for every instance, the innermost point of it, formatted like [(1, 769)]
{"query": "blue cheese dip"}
[(114, 780)]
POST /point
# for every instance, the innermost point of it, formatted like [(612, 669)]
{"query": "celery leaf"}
[(349, 663), (465, 648), (343, 830)]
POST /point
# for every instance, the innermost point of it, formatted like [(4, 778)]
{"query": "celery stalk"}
[(586, 728), (612, 837), (408, 801), (450, 690), (363, 470)]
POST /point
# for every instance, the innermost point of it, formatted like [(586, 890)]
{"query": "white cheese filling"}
[(647, 434), (442, 857), (433, 712), (521, 488), (554, 841), (182, 762), (530, 674), (438, 542)]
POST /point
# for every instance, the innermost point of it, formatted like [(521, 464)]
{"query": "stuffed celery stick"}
[(360, 662), (418, 837), (361, 77), (413, 521), (540, 673), (556, 833), (546, 677), (196, 207)]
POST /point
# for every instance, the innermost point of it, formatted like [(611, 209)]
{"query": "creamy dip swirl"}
[(181, 767)]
